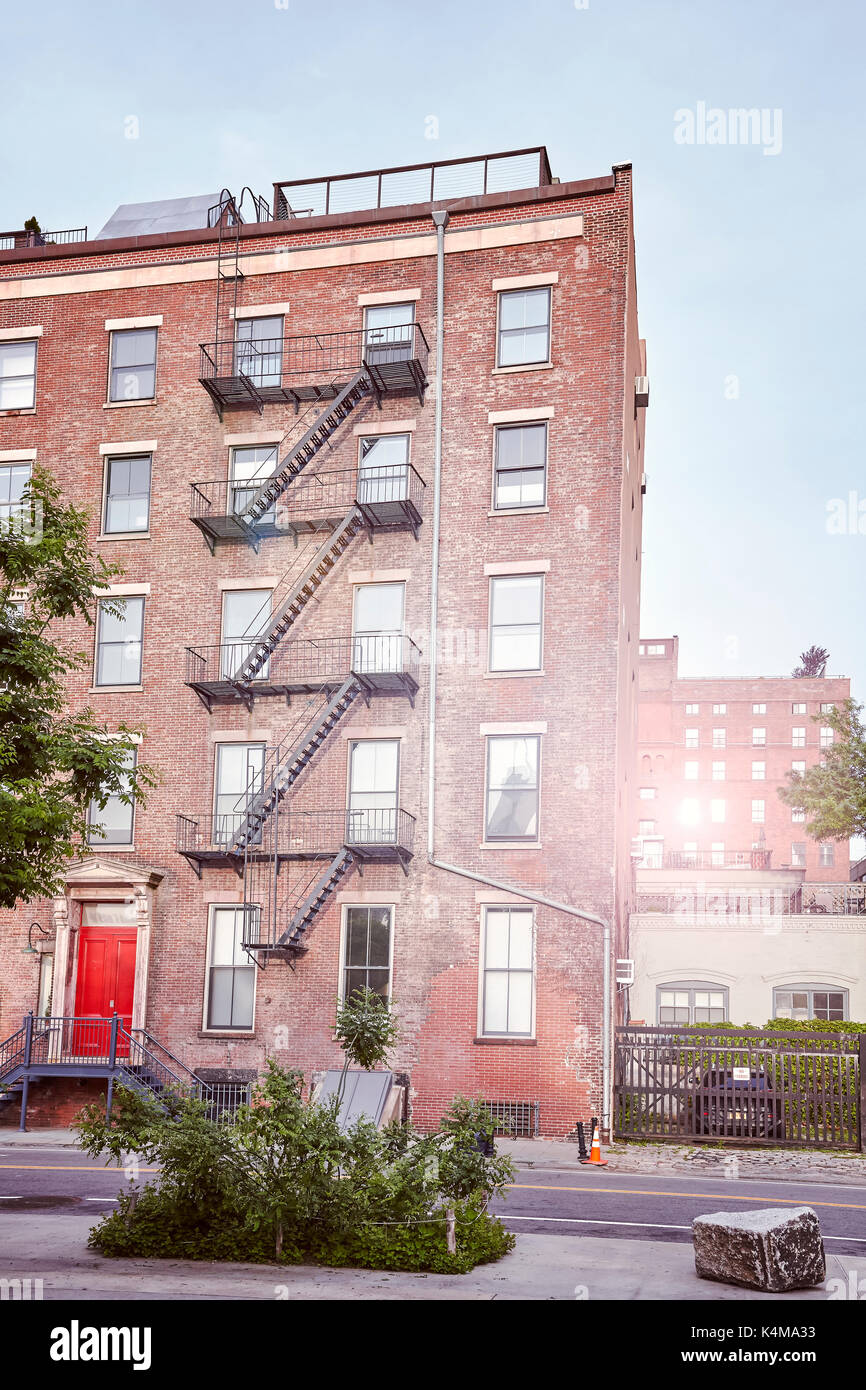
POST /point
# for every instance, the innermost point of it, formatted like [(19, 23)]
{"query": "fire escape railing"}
[(309, 663), (368, 830)]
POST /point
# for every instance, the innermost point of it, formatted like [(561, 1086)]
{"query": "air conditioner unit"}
[(641, 390), (625, 972)]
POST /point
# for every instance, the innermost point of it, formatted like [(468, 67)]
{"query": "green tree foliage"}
[(813, 662), (53, 761), (283, 1182), (833, 793)]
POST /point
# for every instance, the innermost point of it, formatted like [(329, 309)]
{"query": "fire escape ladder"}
[(302, 590), (327, 422), (226, 214), (315, 900), (288, 768)]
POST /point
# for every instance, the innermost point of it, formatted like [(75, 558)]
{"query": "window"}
[(118, 641), (378, 627), (18, 375), (693, 709), (690, 771), (259, 350), (646, 827), (389, 333), (521, 466), (231, 977), (758, 812), (759, 772), (826, 854), (127, 493), (798, 709), (692, 738), (759, 738), (799, 768), (798, 738), (720, 709), (383, 474), (719, 772), (246, 615), (374, 779), (367, 950), (132, 376), (654, 649), (516, 602), (798, 854), (811, 1001), (690, 811), (248, 469), (507, 976), (512, 788), (688, 1002), (524, 327), (238, 776), (112, 824), (720, 738), (717, 811), (798, 817), (689, 854), (826, 738), (717, 854), (827, 709), (14, 479), (759, 709), (647, 793)]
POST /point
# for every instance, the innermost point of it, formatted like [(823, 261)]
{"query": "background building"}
[(248, 401), (712, 753)]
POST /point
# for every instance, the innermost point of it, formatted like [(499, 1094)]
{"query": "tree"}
[(833, 793), (814, 662), (53, 762), (366, 1031)]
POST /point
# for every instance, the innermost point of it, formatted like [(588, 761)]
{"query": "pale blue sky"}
[(749, 265)]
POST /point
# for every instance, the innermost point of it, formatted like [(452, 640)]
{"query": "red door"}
[(106, 982)]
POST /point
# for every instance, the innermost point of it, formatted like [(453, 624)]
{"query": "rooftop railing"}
[(14, 241)]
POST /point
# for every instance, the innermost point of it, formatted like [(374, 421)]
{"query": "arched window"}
[(692, 1001), (802, 1002)]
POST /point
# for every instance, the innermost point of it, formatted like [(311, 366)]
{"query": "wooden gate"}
[(740, 1087)]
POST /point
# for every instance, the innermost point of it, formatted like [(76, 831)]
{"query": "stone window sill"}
[(124, 405), (510, 675), (224, 1033), (509, 844), (523, 367), (124, 536), (112, 689), (505, 1042), (520, 511), (22, 410)]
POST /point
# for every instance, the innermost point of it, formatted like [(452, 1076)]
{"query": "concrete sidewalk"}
[(54, 1249)]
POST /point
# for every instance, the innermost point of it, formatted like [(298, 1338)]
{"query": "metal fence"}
[(518, 1119), (756, 1088)]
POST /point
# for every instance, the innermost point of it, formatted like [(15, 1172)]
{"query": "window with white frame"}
[(693, 709), (237, 777), (512, 787), (246, 615), (720, 709), (654, 649), (798, 708), (798, 738), (692, 738), (521, 466), (383, 469), (798, 854), (798, 817), (18, 375), (827, 708), (388, 333), (690, 1001), (367, 950), (799, 766), (377, 627), (516, 605), (690, 810), (826, 738), (259, 350), (802, 1002), (119, 626), (759, 772), (826, 854), (759, 738), (374, 791), (112, 824), (720, 738), (507, 973), (231, 977), (127, 493), (691, 771), (647, 793), (132, 372), (14, 480), (717, 854), (719, 771), (249, 467), (758, 812), (718, 811), (524, 327), (646, 827), (759, 709)]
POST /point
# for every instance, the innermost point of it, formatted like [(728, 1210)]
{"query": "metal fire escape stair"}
[(287, 769), (303, 589), (313, 902), (357, 389)]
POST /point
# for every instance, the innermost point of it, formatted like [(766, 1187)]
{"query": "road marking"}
[(68, 1168), (100, 1199), (641, 1225), (9, 1199), (714, 1196)]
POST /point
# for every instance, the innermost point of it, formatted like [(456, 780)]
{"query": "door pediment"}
[(109, 871)]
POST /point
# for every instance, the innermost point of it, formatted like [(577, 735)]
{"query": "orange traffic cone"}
[(595, 1151)]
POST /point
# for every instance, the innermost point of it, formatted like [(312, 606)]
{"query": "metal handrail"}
[(15, 241), (308, 660), (312, 495), (300, 834), (311, 356)]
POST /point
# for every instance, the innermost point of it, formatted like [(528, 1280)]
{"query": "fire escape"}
[(291, 858)]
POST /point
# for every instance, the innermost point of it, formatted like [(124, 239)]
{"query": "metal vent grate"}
[(518, 1118)]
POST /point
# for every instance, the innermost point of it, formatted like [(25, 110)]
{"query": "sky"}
[(750, 284)]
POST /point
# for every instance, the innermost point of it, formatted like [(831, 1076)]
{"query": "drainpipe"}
[(440, 222)]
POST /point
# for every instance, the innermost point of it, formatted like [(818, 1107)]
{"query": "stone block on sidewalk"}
[(777, 1249)]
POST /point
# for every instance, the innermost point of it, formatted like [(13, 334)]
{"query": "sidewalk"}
[(54, 1249)]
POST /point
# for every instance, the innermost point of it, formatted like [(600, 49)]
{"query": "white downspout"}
[(440, 221)]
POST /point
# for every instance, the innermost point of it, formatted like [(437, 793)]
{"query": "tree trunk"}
[(278, 1244), (451, 1231)]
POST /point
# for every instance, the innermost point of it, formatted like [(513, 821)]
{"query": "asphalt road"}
[(587, 1201)]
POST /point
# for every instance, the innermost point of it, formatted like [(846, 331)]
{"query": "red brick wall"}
[(586, 695)]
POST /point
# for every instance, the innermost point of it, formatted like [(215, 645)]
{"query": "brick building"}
[(712, 753), (306, 470)]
